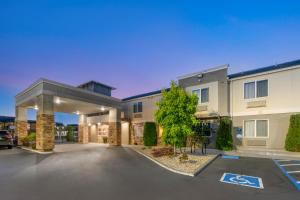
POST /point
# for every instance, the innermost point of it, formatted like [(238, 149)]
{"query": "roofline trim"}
[(43, 80), (204, 71), (92, 81)]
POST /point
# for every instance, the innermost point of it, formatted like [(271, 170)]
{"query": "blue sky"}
[(138, 46)]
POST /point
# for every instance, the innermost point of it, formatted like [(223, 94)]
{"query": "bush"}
[(29, 140), (224, 136), (165, 151), (184, 157), (104, 139), (70, 134), (150, 134), (292, 141)]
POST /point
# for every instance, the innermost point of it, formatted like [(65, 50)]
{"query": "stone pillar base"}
[(83, 134), (21, 131), (45, 132), (114, 134)]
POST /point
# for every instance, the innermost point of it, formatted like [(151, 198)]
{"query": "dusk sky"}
[(138, 46)]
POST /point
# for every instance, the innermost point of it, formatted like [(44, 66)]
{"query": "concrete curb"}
[(36, 151), (200, 169)]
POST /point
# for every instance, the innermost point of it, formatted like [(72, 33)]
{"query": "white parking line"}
[(285, 165), (293, 172)]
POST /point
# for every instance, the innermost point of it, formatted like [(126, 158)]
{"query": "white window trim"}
[(255, 89), (255, 136), (199, 101)]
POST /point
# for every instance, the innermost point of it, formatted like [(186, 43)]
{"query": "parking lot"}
[(291, 168), (94, 171)]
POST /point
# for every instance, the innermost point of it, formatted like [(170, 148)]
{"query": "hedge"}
[(224, 137), (292, 141), (150, 134)]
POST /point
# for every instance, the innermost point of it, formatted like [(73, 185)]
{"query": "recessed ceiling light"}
[(102, 108)]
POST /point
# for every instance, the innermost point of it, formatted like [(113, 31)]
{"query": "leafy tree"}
[(224, 137), (175, 115), (292, 141), (150, 134), (70, 133)]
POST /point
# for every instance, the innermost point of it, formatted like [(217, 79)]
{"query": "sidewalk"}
[(260, 152)]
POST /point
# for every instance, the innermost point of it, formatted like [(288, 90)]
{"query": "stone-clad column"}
[(45, 123), (83, 130), (21, 123), (114, 130)]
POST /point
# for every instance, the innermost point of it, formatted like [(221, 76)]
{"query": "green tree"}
[(292, 141), (175, 115), (70, 133), (150, 134), (224, 137)]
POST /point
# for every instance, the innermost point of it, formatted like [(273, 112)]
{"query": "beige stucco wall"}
[(283, 94), (149, 107), (212, 104), (278, 128)]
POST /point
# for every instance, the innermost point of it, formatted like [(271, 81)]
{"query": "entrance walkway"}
[(71, 147)]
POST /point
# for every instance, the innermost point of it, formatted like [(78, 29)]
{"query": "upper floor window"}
[(203, 94), (256, 89), (138, 107)]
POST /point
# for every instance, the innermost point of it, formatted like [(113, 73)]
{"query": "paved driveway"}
[(99, 172)]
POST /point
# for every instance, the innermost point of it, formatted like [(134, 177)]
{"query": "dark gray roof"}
[(265, 69), (144, 95), (98, 83)]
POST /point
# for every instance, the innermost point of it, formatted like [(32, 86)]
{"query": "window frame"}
[(200, 95), (255, 129), (255, 89)]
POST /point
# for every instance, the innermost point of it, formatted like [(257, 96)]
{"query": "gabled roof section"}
[(204, 71), (145, 94), (265, 69), (96, 83)]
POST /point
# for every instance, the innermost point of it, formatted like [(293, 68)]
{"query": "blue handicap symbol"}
[(243, 180)]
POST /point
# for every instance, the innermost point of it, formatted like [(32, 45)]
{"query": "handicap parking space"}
[(248, 175), (291, 169)]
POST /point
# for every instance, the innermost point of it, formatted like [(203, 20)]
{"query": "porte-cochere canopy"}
[(48, 97)]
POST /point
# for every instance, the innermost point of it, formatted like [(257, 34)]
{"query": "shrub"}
[(150, 134), (29, 140), (104, 139), (292, 141), (224, 136), (164, 151), (70, 134), (184, 157)]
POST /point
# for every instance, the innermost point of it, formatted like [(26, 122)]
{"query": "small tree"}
[(292, 141), (70, 133), (150, 134), (175, 115), (224, 137)]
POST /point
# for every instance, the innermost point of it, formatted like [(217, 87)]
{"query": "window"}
[(138, 107), (262, 88), (202, 94), (256, 128), (249, 90), (256, 89)]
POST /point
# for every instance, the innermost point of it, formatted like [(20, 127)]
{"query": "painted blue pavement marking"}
[(296, 183), (230, 157), (237, 179)]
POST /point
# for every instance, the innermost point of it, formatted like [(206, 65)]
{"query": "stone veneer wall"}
[(45, 132), (21, 130), (83, 134), (114, 133)]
